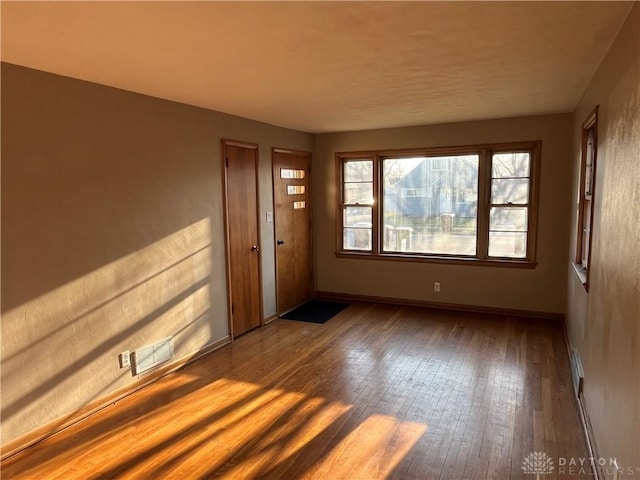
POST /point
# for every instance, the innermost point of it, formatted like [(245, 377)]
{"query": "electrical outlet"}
[(124, 359), (436, 287)]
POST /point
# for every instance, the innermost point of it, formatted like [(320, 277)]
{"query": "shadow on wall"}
[(58, 360), (91, 174), (111, 213)]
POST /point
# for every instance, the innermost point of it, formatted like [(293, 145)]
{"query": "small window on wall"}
[(510, 204), (357, 207), (589, 156)]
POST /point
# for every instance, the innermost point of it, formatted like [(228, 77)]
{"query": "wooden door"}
[(243, 245), (292, 196)]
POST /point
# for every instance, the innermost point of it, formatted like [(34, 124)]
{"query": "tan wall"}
[(541, 289), (605, 323), (112, 235)]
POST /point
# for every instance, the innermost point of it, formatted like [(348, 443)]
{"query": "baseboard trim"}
[(596, 469), (18, 445), (270, 319), (348, 297)]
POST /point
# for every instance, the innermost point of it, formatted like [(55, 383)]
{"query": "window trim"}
[(342, 203), (591, 122), (484, 193)]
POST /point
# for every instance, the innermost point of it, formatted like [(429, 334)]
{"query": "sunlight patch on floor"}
[(373, 449)]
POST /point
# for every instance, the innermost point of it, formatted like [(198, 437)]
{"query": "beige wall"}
[(541, 289), (113, 238), (605, 323), (112, 235)]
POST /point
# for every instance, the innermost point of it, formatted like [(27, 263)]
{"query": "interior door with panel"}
[(243, 236), (292, 197)]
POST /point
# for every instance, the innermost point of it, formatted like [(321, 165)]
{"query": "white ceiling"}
[(326, 66)]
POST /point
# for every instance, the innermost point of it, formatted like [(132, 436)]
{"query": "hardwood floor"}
[(377, 392)]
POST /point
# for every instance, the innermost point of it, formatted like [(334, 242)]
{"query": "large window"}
[(458, 204), (585, 204), (421, 207)]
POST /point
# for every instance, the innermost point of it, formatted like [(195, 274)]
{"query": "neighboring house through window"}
[(459, 204)]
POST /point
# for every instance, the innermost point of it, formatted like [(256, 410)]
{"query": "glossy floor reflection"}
[(377, 392)]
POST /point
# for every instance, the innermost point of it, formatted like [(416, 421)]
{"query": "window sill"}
[(582, 274), (470, 261)]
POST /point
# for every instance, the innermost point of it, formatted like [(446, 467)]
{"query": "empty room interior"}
[(342, 240)]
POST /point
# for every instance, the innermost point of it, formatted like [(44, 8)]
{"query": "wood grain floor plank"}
[(380, 391)]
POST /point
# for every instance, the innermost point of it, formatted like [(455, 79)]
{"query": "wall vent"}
[(576, 371), (149, 356)]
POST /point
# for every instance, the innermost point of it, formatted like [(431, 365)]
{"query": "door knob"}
[(255, 248), (280, 242)]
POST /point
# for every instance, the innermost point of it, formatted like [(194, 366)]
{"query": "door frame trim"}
[(224, 143), (275, 150), (288, 150)]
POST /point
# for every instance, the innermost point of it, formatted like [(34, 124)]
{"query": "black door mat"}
[(315, 311)]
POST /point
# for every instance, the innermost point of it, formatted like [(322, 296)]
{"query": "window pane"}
[(590, 149), (449, 238), (289, 173), (299, 205), (588, 183), (586, 218), (358, 171), (508, 219), (296, 189), (588, 169), (356, 239), (510, 190), (505, 165), (357, 217), (358, 193), (430, 204), (508, 244), (585, 248)]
